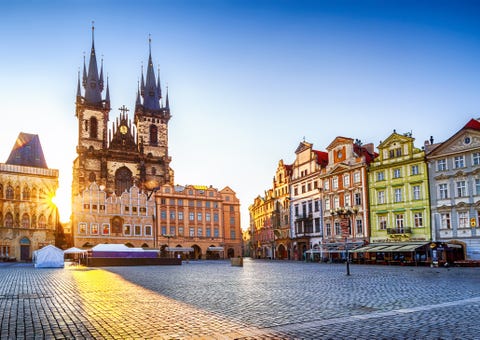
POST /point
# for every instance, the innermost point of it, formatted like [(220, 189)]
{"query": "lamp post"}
[(151, 187), (168, 236), (344, 213)]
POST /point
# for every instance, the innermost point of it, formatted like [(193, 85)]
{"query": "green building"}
[(399, 201)]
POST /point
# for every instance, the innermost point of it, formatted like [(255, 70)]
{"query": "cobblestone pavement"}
[(261, 300)]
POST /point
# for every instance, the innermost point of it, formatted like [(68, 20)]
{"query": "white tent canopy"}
[(48, 257), (74, 250)]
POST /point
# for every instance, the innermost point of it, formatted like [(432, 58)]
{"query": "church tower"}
[(129, 154), (92, 113), (151, 120)]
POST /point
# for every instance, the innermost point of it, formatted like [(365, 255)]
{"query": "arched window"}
[(123, 180), (34, 194), (9, 220), (42, 222), (93, 127), (25, 221), (41, 194), (26, 193), (92, 177), (153, 135), (9, 193)]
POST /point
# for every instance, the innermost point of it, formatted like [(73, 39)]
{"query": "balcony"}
[(303, 217), (399, 231)]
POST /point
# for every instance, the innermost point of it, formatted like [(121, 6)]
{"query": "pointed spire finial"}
[(149, 43), (167, 102), (107, 95), (79, 93)]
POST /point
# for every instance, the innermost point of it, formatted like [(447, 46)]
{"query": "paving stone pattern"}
[(261, 300)]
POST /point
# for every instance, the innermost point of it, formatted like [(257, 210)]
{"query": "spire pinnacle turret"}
[(167, 102), (150, 91), (93, 84), (107, 96), (79, 92)]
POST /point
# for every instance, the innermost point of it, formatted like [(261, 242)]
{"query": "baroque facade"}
[(345, 195), (399, 197), (28, 217), (454, 168), (263, 237), (281, 211), (305, 202)]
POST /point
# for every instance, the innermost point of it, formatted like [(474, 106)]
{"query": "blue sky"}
[(248, 80)]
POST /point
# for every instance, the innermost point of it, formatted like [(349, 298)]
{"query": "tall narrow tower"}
[(92, 113), (151, 121)]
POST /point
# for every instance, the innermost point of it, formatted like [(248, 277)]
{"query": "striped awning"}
[(399, 247)]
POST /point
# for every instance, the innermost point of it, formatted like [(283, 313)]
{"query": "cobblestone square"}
[(261, 300)]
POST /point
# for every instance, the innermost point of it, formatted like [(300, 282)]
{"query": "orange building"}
[(198, 222)]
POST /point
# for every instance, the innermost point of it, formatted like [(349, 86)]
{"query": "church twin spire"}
[(93, 85), (92, 81), (150, 89)]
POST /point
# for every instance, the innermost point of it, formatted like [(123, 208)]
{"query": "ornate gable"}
[(123, 138), (302, 147), (467, 138), (339, 141), (393, 139)]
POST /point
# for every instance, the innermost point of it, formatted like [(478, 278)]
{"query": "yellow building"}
[(28, 218), (261, 214)]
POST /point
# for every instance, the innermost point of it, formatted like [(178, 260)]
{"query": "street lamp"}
[(168, 236), (151, 187), (344, 213)]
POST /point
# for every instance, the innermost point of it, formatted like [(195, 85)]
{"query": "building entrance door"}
[(24, 249)]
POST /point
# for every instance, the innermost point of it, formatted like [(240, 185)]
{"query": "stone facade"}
[(28, 217), (454, 171)]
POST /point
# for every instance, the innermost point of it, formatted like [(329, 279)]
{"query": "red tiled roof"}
[(362, 151), (322, 157), (472, 124)]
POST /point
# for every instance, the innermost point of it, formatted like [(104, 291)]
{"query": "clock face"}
[(123, 129)]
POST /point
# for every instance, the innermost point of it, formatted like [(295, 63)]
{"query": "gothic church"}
[(117, 169), (128, 154)]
